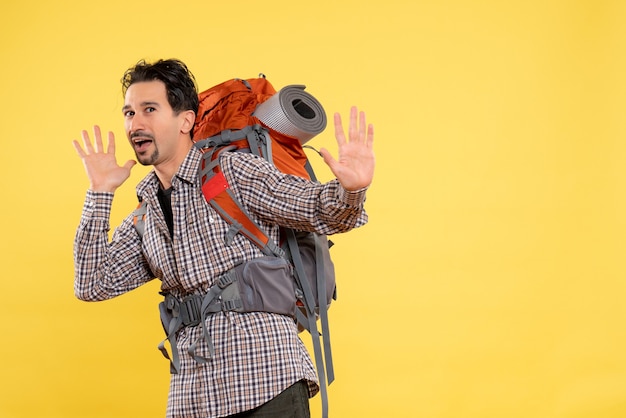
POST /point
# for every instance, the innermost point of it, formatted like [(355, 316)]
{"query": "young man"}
[(259, 366)]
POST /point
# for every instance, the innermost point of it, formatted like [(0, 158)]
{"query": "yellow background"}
[(490, 281)]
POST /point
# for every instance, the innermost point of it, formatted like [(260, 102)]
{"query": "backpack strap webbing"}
[(254, 134), (307, 164), (214, 293), (191, 311), (236, 216), (320, 281), (323, 360), (172, 322), (323, 308), (139, 217)]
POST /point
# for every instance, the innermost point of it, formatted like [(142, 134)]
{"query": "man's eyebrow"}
[(142, 104)]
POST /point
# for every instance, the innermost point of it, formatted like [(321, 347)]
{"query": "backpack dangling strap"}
[(214, 293), (323, 308), (171, 322), (310, 321), (307, 164)]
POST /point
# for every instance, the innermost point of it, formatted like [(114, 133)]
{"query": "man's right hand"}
[(104, 174)]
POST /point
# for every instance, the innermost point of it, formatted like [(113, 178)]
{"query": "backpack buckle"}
[(232, 305), (226, 279), (190, 310)]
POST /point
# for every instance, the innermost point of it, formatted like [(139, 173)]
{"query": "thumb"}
[(328, 158), (130, 164)]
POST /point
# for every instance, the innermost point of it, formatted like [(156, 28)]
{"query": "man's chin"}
[(146, 159)]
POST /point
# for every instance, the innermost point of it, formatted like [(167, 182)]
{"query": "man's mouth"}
[(141, 141)]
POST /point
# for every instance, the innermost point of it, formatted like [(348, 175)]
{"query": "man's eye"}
[(150, 109), (129, 113)]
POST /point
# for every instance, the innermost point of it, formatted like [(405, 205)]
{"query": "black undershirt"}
[(165, 199)]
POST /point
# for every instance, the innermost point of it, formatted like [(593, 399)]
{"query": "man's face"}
[(151, 125)]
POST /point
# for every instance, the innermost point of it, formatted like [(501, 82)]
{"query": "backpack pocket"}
[(266, 284)]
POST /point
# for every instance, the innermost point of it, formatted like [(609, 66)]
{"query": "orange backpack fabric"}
[(230, 105)]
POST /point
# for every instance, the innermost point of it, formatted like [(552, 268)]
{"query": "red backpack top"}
[(230, 106)]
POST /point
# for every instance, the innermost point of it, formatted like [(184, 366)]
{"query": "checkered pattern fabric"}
[(257, 355)]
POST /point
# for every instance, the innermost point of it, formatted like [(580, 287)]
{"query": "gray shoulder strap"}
[(139, 218)]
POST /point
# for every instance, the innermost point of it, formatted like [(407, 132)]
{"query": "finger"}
[(353, 133), (341, 138), (98, 138), (370, 135), (78, 149), (362, 131), (111, 146), (87, 142)]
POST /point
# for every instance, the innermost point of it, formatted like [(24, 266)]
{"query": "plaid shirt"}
[(257, 355)]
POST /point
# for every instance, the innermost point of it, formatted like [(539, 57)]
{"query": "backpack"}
[(250, 116)]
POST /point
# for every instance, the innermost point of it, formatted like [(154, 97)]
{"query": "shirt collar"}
[(187, 172)]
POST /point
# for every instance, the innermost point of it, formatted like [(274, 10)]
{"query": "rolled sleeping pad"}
[(293, 112)]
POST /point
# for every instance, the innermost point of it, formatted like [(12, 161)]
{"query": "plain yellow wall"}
[(491, 279)]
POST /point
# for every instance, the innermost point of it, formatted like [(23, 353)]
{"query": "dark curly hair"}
[(180, 84)]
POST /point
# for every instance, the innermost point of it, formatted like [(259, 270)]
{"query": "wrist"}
[(102, 188)]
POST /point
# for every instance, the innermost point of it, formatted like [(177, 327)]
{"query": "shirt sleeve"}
[(103, 269), (291, 201)]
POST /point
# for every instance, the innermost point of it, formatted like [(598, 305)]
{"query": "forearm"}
[(339, 210), (277, 198), (104, 270)]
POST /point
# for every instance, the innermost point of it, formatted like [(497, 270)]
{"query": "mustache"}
[(141, 134)]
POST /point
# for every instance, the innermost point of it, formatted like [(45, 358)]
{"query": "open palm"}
[(354, 166), (102, 169)]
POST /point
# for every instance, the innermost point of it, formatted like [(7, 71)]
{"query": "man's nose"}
[(136, 123)]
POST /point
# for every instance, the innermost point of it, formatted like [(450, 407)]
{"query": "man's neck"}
[(166, 170)]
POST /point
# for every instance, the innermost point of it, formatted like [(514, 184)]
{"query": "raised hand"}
[(354, 167), (104, 174)]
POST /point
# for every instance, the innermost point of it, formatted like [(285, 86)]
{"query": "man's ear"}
[(189, 118)]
